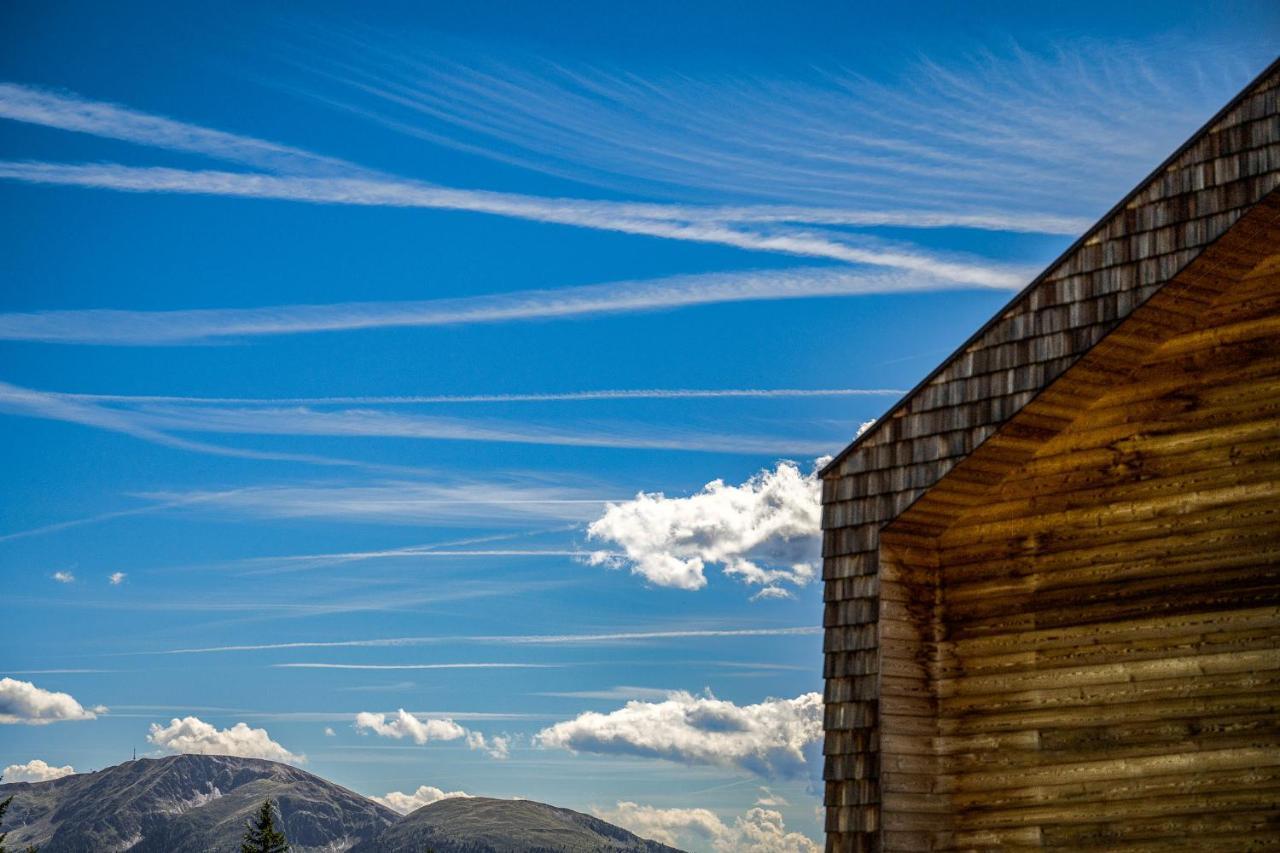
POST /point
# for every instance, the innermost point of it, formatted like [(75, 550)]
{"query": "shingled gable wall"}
[(1161, 228)]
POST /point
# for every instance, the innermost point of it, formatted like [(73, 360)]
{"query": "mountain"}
[(186, 803), (200, 804), (482, 825)]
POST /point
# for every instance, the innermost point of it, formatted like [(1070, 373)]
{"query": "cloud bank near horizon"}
[(760, 830), (770, 739), (35, 770), (194, 736)]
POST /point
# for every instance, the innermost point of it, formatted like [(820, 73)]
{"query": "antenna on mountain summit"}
[(135, 753)]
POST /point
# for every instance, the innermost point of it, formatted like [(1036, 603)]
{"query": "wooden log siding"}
[(1086, 653), (1197, 235)]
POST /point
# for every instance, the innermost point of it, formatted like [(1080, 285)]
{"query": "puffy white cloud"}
[(769, 738), (329, 732), (424, 796), (64, 577), (23, 702), (757, 831), (498, 746), (766, 531), (116, 578), (402, 724), (666, 826), (34, 770), (195, 736), (763, 831)]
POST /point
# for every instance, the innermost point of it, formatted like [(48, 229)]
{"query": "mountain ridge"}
[(200, 803)]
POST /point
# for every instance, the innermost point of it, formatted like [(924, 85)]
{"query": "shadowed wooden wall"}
[(1084, 654), (1197, 225)]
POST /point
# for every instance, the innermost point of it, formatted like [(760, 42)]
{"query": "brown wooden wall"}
[(1087, 655), (1169, 230)]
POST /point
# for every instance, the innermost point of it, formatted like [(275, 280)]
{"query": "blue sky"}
[(252, 258)]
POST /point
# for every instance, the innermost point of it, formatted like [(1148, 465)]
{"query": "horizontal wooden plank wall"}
[(1163, 227), (1087, 644), (1234, 279)]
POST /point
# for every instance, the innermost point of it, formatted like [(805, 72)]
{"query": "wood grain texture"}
[(1132, 554), (1093, 648)]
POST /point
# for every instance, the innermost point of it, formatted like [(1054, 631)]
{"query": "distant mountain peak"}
[(200, 803)]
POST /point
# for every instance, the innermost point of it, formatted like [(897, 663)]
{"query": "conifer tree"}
[(4, 807), (261, 835)]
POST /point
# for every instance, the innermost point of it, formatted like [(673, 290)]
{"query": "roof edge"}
[(839, 458)]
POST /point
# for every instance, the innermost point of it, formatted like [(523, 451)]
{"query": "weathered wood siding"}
[(1156, 235), (1087, 652)]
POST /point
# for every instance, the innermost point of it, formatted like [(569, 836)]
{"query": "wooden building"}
[(1052, 571)]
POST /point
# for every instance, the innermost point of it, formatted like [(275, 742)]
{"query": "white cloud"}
[(771, 738), (424, 796), (69, 112), (397, 666), (604, 216), (23, 702), (1015, 130), (400, 502), (34, 770), (763, 831), (769, 798), (520, 639), (132, 328), (758, 831), (116, 578), (550, 397), (402, 724), (195, 736), (766, 531), (40, 404), (497, 746), (329, 732), (72, 113), (619, 692), (666, 826), (64, 577), (156, 423)]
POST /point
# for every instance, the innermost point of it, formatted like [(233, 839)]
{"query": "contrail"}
[(375, 666), (569, 396), (515, 639), (142, 328), (584, 214)]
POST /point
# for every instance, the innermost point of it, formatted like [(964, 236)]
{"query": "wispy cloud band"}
[(394, 666), (116, 327), (65, 111), (551, 397), (515, 639), (74, 113), (586, 214)]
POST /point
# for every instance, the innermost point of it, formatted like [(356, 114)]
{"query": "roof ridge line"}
[(1272, 68)]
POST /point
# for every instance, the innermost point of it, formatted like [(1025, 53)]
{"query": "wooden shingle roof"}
[(1155, 233)]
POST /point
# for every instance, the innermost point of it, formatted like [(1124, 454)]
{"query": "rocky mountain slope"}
[(482, 825), (200, 804), (186, 802)]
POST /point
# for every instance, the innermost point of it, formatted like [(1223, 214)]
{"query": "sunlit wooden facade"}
[(1052, 571)]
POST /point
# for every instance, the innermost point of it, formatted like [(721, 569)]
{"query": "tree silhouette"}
[(4, 807), (261, 835)]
